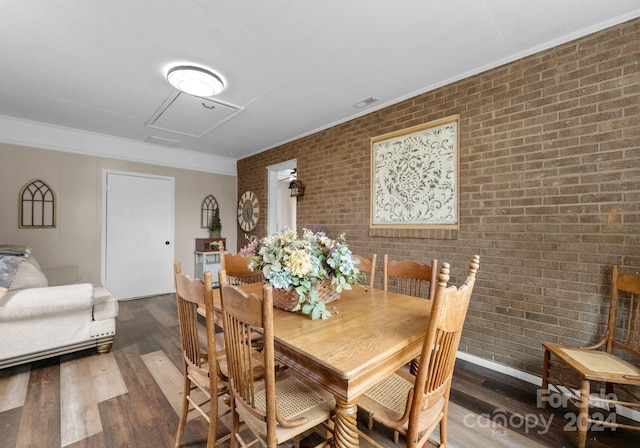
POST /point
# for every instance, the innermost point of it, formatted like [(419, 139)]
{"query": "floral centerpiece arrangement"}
[(305, 264)]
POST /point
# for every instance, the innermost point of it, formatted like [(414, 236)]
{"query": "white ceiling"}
[(293, 66)]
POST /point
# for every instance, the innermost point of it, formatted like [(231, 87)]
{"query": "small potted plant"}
[(215, 225)]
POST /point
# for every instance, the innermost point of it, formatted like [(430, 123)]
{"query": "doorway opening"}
[(281, 206)]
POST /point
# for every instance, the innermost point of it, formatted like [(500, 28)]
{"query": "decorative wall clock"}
[(248, 211)]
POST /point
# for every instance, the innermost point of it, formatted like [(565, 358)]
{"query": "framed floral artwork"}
[(414, 177)]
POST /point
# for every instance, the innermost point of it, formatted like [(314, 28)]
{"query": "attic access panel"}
[(191, 115)]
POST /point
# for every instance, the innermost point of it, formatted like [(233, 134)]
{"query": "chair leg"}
[(583, 415), (546, 364), (443, 431), (185, 409), (235, 426), (608, 390), (213, 420)]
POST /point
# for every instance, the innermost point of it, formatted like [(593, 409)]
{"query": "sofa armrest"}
[(27, 303)]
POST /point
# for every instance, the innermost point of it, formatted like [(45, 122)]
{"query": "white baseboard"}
[(533, 379), (496, 367)]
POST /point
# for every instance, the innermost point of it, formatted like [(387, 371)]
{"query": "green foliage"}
[(215, 223), (303, 263)]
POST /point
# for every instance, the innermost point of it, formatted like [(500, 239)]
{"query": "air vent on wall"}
[(191, 115)]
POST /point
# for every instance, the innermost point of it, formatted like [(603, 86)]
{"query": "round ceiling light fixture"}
[(195, 81)]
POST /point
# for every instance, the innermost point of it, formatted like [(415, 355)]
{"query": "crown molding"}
[(58, 138)]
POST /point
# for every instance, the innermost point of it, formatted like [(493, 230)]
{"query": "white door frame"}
[(273, 204)]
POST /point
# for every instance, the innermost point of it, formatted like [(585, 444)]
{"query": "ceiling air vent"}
[(365, 102), (191, 115), (154, 139)]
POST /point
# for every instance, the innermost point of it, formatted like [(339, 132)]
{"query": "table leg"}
[(346, 428)]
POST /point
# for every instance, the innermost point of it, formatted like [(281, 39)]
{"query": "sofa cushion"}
[(47, 302), (32, 260), (28, 276)]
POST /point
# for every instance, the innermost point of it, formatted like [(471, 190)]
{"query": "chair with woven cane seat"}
[(237, 269), (415, 405), (204, 368), (368, 267), (411, 278), (282, 406), (612, 362)]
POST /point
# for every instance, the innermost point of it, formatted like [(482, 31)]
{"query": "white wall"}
[(76, 180), (287, 206)]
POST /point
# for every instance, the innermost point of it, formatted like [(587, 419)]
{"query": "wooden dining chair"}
[(256, 336), (575, 370), (368, 267), (411, 278), (237, 268), (282, 406), (414, 405), (204, 368)]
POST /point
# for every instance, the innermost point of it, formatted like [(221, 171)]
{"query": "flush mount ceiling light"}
[(195, 81)]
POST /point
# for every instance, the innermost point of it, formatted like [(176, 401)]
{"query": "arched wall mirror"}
[(37, 205), (207, 210)]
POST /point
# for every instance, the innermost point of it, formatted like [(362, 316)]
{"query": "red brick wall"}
[(549, 189)]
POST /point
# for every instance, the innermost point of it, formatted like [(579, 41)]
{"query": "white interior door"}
[(138, 234)]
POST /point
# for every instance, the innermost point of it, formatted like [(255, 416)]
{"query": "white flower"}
[(299, 263)]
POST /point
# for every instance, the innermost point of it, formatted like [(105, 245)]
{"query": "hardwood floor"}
[(130, 398)]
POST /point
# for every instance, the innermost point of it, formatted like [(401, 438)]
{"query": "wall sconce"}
[(297, 189)]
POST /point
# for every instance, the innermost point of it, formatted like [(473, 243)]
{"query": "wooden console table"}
[(206, 257)]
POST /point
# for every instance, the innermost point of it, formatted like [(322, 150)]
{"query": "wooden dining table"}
[(370, 335)]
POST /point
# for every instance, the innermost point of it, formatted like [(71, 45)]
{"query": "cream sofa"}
[(44, 314)]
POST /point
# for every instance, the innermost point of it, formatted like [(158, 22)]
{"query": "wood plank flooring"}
[(130, 398)]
